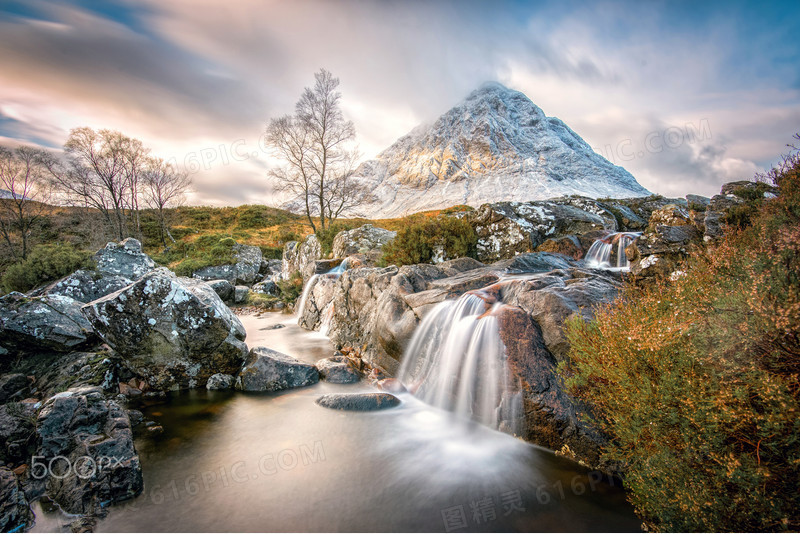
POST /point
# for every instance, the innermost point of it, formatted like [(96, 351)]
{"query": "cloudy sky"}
[(685, 95)]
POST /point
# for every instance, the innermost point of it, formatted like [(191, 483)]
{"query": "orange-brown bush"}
[(695, 379)]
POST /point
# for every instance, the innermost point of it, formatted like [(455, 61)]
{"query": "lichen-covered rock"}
[(666, 241), (569, 246), (266, 287), (49, 322), (337, 369), (244, 271), (270, 267), (240, 294), (82, 429), (363, 240), (15, 513), (508, 228), (358, 402), (223, 288), (86, 286), (124, 259), (714, 225), (174, 332), (220, 381), (301, 257), (270, 370)]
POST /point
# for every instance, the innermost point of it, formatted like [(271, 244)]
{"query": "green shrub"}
[(423, 237), (45, 263), (292, 288), (695, 380), (260, 300), (206, 251)]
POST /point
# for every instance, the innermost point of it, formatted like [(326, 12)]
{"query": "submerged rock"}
[(174, 332), (270, 370), (358, 402), (49, 322), (337, 369), (81, 429)]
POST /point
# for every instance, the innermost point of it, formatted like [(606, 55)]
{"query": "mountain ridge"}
[(496, 145)]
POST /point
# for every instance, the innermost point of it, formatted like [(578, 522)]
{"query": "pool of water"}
[(278, 462)]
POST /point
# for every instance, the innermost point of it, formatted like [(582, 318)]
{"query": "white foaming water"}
[(601, 252), (456, 361), (336, 272), (304, 297)]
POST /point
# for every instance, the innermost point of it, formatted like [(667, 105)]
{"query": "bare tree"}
[(97, 173), (165, 187), (136, 163), (24, 177), (315, 145)]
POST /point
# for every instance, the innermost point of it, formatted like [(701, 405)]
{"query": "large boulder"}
[(338, 369), (665, 243), (508, 228), (301, 257), (224, 290), (17, 432), (244, 271), (174, 332), (363, 240), (49, 322), (124, 259), (86, 451), (86, 286), (15, 513), (270, 370)]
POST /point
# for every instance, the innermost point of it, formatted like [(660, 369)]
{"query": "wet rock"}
[(363, 240), (86, 286), (241, 293), (49, 322), (14, 386), (223, 288), (94, 437), (15, 513), (391, 385), (136, 417), (301, 257), (173, 332), (537, 262), (244, 271), (17, 432), (666, 241), (220, 381), (358, 402), (125, 259), (270, 370), (337, 369)]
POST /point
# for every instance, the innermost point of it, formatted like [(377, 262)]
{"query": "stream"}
[(231, 461)]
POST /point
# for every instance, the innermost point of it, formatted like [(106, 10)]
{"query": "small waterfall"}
[(301, 306), (456, 361), (333, 273), (602, 251)]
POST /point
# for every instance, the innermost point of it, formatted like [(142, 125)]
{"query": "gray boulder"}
[(266, 287), (223, 288), (666, 241), (124, 259), (301, 257), (173, 332), (337, 369), (14, 387), (220, 381), (358, 402), (86, 286), (15, 513), (270, 370), (244, 271), (240, 294), (49, 322), (363, 240), (508, 228), (93, 435)]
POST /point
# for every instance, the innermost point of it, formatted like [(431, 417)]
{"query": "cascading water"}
[(336, 272), (456, 361), (602, 251)]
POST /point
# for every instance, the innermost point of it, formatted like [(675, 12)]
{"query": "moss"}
[(45, 263)]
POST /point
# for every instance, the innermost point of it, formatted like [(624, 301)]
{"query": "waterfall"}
[(301, 306), (333, 273), (456, 361), (602, 251)]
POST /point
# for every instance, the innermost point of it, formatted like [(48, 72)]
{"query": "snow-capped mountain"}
[(494, 146)]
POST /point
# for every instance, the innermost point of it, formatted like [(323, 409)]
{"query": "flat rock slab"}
[(358, 402)]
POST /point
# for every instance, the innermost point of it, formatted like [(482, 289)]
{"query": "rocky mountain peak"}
[(495, 145)]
